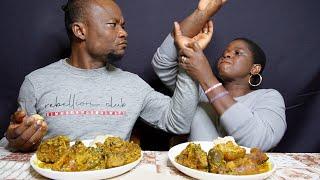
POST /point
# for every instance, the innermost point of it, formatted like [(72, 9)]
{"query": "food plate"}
[(95, 174), (206, 146)]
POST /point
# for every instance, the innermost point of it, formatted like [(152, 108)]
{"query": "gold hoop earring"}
[(260, 80)]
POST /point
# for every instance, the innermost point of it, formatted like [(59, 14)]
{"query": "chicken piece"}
[(114, 144), (230, 151), (241, 166), (216, 161), (51, 150), (193, 157), (253, 163), (114, 159), (113, 152), (119, 152), (81, 158), (133, 152), (257, 156)]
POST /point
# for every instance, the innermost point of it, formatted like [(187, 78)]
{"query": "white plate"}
[(95, 174), (206, 146)]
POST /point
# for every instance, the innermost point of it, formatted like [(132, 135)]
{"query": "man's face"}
[(106, 38)]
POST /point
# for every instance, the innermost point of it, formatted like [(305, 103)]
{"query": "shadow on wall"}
[(299, 109)]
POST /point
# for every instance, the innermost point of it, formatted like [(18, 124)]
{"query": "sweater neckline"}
[(84, 72)]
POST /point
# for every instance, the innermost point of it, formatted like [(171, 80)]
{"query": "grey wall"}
[(33, 35)]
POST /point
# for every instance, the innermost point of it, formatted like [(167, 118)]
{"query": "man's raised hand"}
[(210, 6)]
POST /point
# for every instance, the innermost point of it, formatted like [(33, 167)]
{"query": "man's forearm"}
[(193, 24)]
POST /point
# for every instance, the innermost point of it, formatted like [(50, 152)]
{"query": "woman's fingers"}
[(183, 65), (193, 47), (211, 30), (188, 52), (210, 27), (205, 28), (196, 47), (224, 1)]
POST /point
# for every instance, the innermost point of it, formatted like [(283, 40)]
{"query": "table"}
[(155, 165)]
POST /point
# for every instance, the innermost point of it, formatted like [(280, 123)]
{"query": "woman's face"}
[(236, 61)]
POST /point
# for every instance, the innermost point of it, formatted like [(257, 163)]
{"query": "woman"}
[(254, 117)]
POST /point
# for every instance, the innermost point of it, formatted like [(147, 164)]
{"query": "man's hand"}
[(25, 133), (210, 6), (202, 38)]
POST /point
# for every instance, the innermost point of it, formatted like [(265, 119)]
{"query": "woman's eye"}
[(112, 24), (237, 52)]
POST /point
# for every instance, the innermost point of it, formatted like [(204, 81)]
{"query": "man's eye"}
[(112, 24), (237, 52)]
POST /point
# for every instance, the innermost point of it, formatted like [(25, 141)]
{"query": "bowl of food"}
[(58, 158), (220, 159)]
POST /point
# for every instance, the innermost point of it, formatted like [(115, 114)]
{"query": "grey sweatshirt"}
[(256, 120), (85, 103)]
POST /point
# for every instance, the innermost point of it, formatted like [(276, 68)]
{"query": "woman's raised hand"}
[(203, 38)]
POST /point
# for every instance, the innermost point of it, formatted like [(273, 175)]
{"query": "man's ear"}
[(255, 69), (79, 30)]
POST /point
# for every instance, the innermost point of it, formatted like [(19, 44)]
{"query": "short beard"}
[(112, 57)]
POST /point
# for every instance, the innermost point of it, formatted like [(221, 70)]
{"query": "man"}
[(84, 95)]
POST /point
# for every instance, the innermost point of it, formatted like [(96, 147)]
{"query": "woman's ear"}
[(79, 30), (255, 69)]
